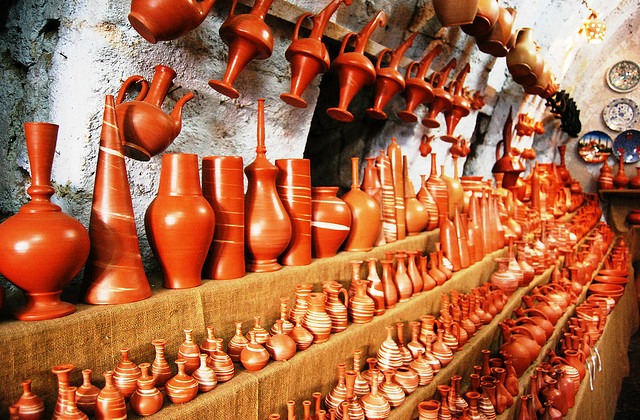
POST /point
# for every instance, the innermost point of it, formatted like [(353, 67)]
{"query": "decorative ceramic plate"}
[(623, 76), (621, 114), (595, 146), (628, 142)]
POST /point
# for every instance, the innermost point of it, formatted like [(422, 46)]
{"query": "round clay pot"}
[(182, 387), (331, 221), (110, 403)]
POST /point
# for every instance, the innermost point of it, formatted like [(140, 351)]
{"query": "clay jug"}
[(126, 374), (146, 400), (146, 128), (486, 16), (163, 20), (248, 38), (522, 60), (388, 284), (280, 346), (496, 41), (42, 248), (180, 211), (223, 188), (621, 180), (308, 56), (438, 189), (460, 107), (87, 394), (361, 306), (293, 184), (416, 214), (365, 215), (389, 81), (397, 170), (335, 308), (30, 406), (442, 99), (417, 90), (160, 369), (354, 69), (301, 303), (330, 222), (110, 403), (114, 273), (389, 228), (181, 388), (455, 13), (375, 287), (316, 319), (268, 227)]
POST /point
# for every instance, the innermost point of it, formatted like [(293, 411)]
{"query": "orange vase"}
[(330, 222), (460, 107), (389, 228), (416, 214), (417, 89), (442, 99)]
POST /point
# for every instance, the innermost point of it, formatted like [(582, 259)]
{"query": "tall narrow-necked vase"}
[(268, 227), (114, 272), (180, 222), (248, 38), (395, 157), (389, 228), (42, 248)]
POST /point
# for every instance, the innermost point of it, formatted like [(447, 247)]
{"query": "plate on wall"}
[(623, 76), (628, 142), (595, 146), (621, 114)]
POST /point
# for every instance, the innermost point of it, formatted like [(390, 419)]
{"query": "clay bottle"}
[(429, 203), (389, 227), (375, 288), (87, 394), (416, 214), (205, 375), (402, 279), (30, 406), (166, 20), (146, 400), (372, 185), (160, 369), (414, 273), (181, 388), (388, 284), (126, 374), (365, 215), (395, 157), (110, 403)]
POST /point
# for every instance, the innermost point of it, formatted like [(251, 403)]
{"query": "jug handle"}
[(381, 56), (345, 40), (410, 68), (233, 7), (299, 24), (144, 88), (345, 294), (498, 149)]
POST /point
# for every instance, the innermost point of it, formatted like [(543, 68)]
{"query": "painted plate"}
[(628, 142), (621, 114), (623, 76), (595, 146)]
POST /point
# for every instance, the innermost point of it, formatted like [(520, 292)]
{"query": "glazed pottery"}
[(110, 403), (442, 99), (316, 319), (254, 356), (417, 89), (221, 363), (42, 248), (163, 20), (486, 16), (354, 68), (280, 346), (114, 273), (30, 406), (248, 38), (146, 128), (179, 211), (455, 13), (293, 184), (87, 394), (395, 158), (389, 228), (365, 215), (205, 375), (330, 222), (146, 400), (126, 374), (268, 227), (189, 351), (308, 56), (182, 387), (389, 81), (223, 188), (160, 369), (496, 41)]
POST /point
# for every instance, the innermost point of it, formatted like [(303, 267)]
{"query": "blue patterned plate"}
[(628, 142)]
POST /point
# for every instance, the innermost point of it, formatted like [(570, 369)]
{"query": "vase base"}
[(376, 114), (293, 100), (41, 306), (184, 283), (407, 116), (430, 122), (340, 114), (263, 266), (225, 88)]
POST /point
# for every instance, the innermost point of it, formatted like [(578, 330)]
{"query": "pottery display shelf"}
[(617, 204)]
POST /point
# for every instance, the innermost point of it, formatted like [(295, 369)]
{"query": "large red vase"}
[(331, 221)]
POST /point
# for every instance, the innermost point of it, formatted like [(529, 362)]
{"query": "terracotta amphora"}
[(42, 248), (164, 20), (442, 99), (366, 221), (268, 226), (389, 81), (146, 128), (455, 13), (496, 41), (308, 56), (248, 38), (114, 273), (330, 223), (354, 69), (460, 107), (417, 90), (486, 16)]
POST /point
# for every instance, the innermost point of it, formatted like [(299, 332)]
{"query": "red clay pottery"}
[(205, 375), (335, 308), (633, 218), (375, 288), (496, 41), (428, 410), (293, 184), (455, 13), (114, 273), (388, 284), (634, 183), (401, 278), (164, 20), (414, 272), (30, 406), (366, 221), (372, 185), (262, 335), (280, 346), (486, 16), (523, 61), (182, 387), (268, 227), (442, 99), (160, 369), (417, 90), (110, 403), (308, 56), (189, 351), (503, 278), (460, 107), (508, 163), (339, 393), (301, 335), (254, 356), (621, 180), (316, 319), (354, 69), (389, 228), (146, 128), (331, 221), (397, 170), (416, 214), (455, 192), (87, 394), (248, 38), (388, 355), (221, 363), (223, 188), (299, 308), (287, 326), (425, 197), (146, 400), (425, 145), (180, 222), (605, 179), (361, 306), (375, 406), (389, 81), (126, 374), (71, 411), (42, 248)]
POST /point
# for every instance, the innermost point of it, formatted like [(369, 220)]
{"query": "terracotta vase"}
[(361, 386), (390, 390), (308, 56), (388, 284), (114, 273), (428, 282), (237, 343), (293, 184), (442, 99), (331, 221), (496, 41), (414, 273), (460, 108), (316, 319), (339, 393), (301, 335), (389, 81), (361, 306), (397, 170), (507, 164), (223, 188), (160, 369), (287, 326), (455, 14), (164, 20), (416, 214), (87, 394), (268, 227), (42, 248), (189, 351), (335, 308), (440, 350), (301, 303), (438, 189), (389, 228), (388, 355), (374, 404), (221, 363), (146, 400), (423, 368), (486, 16), (110, 403), (30, 406), (126, 374), (503, 278), (146, 128), (180, 211), (449, 241), (254, 356), (417, 89), (401, 278), (621, 180), (365, 215), (428, 410), (248, 38), (205, 376), (354, 69), (182, 387), (280, 346), (262, 335), (524, 61), (375, 287), (455, 192)]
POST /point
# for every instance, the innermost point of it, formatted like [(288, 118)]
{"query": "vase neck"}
[(261, 149), (162, 81), (179, 175), (41, 139)]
